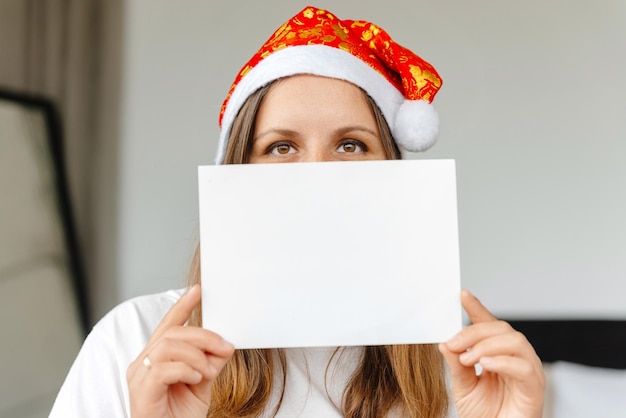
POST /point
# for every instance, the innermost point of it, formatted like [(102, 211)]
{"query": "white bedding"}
[(577, 391)]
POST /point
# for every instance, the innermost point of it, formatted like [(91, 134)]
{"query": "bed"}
[(585, 364)]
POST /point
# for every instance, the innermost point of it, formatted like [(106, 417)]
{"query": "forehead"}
[(315, 96), (316, 82)]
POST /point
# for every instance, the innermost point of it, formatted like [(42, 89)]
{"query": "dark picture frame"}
[(54, 136)]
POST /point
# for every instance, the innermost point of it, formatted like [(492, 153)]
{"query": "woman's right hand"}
[(172, 376)]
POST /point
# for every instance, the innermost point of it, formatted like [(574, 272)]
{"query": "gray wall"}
[(532, 110)]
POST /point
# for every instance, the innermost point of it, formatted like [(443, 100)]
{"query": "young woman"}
[(320, 89)]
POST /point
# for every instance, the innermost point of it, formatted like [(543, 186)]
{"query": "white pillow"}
[(587, 392)]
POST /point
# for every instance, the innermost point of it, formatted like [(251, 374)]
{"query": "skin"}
[(342, 127), (186, 360), (512, 383)]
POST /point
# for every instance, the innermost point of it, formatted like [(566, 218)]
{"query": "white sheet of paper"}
[(330, 254)]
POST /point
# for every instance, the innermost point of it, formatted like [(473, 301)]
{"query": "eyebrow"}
[(340, 131), (360, 128), (283, 132)]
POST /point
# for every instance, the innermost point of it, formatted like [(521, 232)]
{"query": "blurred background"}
[(532, 110)]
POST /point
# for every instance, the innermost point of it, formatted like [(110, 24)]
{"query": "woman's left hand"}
[(512, 382)]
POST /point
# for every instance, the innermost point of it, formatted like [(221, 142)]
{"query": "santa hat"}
[(316, 42)]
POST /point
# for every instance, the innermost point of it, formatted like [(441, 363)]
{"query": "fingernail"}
[(192, 289), (228, 343), (467, 357), (197, 375), (454, 342), (486, 361)]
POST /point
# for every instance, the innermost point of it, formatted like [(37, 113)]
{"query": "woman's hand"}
[(172, 376), (512, 382)]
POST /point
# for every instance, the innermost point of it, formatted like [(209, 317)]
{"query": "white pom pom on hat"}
[(316, 42), (416, 126)]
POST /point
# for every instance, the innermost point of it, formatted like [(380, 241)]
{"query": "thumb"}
[(463, 377), (203, 390)]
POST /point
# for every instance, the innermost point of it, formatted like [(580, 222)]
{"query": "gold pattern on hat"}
[(409, 73)]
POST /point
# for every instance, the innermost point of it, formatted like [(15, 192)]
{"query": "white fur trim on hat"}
[(408, 128)]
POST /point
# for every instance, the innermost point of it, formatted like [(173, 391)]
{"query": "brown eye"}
[(282, 149), (351, 147)]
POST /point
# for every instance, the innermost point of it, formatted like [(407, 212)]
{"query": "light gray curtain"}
[(48, 47)]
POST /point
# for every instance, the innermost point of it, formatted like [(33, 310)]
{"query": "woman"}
[(320, 89)]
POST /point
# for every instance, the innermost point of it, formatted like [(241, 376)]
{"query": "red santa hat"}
[(316, 42)]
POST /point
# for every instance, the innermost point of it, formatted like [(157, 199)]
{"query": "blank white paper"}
[(330, 254)]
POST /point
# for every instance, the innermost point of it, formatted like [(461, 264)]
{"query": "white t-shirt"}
[(96, 384)]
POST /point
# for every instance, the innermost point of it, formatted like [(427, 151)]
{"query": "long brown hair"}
[(409, 379)]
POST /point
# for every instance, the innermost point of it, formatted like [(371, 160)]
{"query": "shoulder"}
[(146, 310), (96, 383), (130, 324), (123, 332)]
